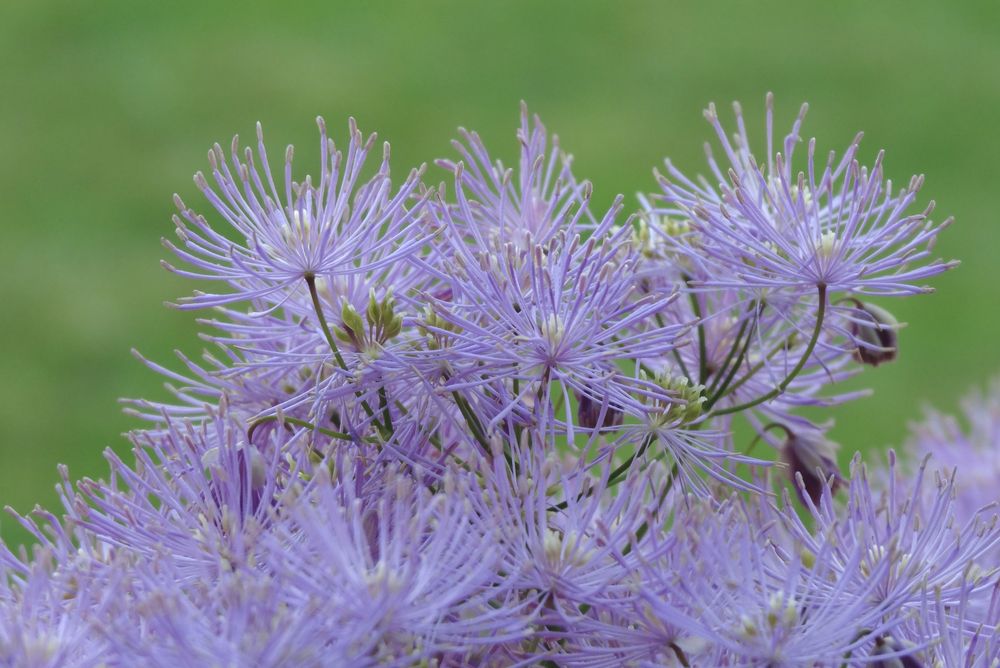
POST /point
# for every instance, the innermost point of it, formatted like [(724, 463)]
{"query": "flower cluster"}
[(490, 424)]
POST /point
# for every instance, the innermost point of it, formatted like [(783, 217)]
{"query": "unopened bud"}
[(589, 413), (876, 340), (811, 456)]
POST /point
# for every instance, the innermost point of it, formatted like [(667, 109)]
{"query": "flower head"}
[(767, 226), (302, 231)]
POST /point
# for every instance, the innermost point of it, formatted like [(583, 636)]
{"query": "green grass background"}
[(107, 108)]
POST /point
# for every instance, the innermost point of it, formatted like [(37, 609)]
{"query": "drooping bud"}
[(589, 415), (813, 457), (876, 340)]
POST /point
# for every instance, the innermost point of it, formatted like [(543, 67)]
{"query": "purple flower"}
[(51, 609), (298, 233), (973, 450), (484, 428), (909, 538), (835, 225), (202, 494), (529, 207), (417, 570), (243, 618), (556, 316)]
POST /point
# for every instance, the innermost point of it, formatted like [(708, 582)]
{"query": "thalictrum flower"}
[(835, 224), (304, 230)]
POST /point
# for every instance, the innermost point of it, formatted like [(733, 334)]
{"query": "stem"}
[(794, 372), (470, 419), (760, 364), (383, 401), (676, 354), (615, 477), (679, 653), (768, 427), (702, 354), (318, 307), (298, 423), (718, 393), (644, 527), (311, 282)]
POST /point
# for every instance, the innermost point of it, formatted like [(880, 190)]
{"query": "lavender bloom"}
[(560, 313), (488, 429), (909, 538), (417, 571), (964, 634), (760, 601), (197, 492), (50, 609), (305, 231), (560, 527), (242, 619), (836, 226), (529, 208), (974, 451)]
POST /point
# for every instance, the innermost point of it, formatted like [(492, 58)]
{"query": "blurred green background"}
[(107, 108)]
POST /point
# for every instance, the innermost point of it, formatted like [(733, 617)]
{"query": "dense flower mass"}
[(481, 425)]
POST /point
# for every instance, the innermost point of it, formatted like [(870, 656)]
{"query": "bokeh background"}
[(107, 108)]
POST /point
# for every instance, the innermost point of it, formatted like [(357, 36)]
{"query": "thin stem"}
[(470, 419), (644, 527), (383, 401), (768, 427), (738, 342), (820, 314), (719, 392), (760, 364), (676, 353), (298, 423), (702, 354), (615, 477), (318, 307)]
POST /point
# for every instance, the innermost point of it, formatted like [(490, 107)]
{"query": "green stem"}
[(820, 314), (318, 307), (676, 353), (615, 477), (768, 427), (471, 420), (719, 392), (298, 423), (644, 527), (383, 401), (760, 364), (702, 349)]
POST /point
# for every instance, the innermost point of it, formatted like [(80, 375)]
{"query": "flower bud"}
[(588, 413), (876, 340), (812, 456)]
